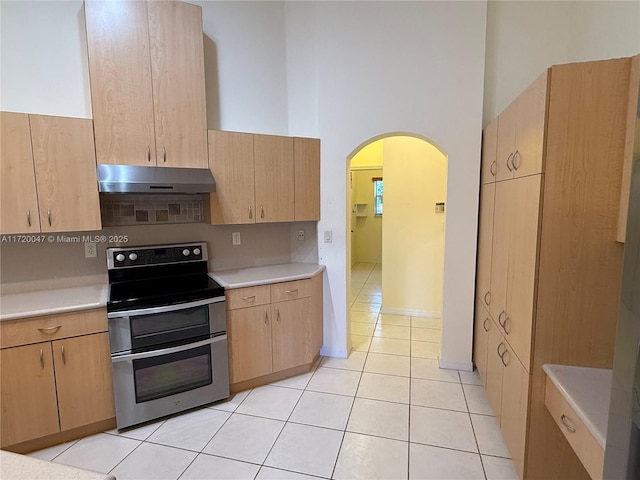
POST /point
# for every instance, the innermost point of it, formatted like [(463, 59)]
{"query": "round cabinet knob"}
[(196, 251), (186, 252), (120, 257), (133, 256)]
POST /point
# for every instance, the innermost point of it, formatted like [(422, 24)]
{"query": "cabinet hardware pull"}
[(50, 330), (278, 315), (64, 358), (501, 344), (148, 153), (487, 300), (41, 358), (484, 324), (29, 217), (563, 419), (513, 161), (295, 290), (509, 160), (261, 211), (164, 154), (500, 318), (505, 353), (250, 212), (492, 168), (266, 317), (504, 325), (248, 297), (49, 216)]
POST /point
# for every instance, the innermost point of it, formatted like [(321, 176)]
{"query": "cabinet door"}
[(530, 124), (19, 205), (83, 380), (489, 146), (249, 334), (493, 384), (231, 163), (515, 402), (177, 75), (120, 77), (306, 154), (274, 178), (485, 244), (481, 329), (524, 202), (291, 334), (506, 142), (65, 166), (500, 249), (28, 393)]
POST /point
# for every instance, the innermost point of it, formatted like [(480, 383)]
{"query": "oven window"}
[(166, 375), (165, 327)]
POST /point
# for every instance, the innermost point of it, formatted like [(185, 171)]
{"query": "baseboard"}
[(333, 352), (410, 313), (456, 365)]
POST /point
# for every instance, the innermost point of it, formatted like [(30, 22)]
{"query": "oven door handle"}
[(165, 308), (167, 351)]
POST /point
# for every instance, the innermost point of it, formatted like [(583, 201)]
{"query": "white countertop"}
[(588, 391), (52, 301), (14, 466), (251, 276)]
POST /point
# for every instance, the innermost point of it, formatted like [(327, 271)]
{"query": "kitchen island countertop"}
[(251, 276)]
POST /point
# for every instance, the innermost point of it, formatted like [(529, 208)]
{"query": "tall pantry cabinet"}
[(549, 265)]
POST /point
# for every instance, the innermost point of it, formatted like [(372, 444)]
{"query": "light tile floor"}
[(386, 412)]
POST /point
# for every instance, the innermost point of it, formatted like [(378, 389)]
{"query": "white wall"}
[(378, 67), (413, 234), (524, 38), (44, 66)]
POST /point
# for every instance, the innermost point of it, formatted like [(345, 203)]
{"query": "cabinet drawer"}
[(281, 292), (588, 450), (52, 327), (248, 297)]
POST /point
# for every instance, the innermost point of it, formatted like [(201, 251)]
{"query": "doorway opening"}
[(395, 251)]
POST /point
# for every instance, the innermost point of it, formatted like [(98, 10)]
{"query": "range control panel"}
[(155, 255)]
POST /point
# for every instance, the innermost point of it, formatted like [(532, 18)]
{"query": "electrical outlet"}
[(301, 235), (235, 238), (327, 236), (90, 250)]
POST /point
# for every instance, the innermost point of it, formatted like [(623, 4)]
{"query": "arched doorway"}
[(405, 282)]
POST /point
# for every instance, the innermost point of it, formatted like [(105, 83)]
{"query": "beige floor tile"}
[(216, 468), (442, 428), (499, 468), (322, 410), (50, 453), (364, 317), (426, 322), (369, 458), (470, 378), (190, 430), (299, 381), (245, 438), (425, 349), (426, 335), (387, 364), (392, 346), (390, 319), (152, 462), (231, 403), (354, 362), (333, 380), (305, 449), (384, 387), (433, 463), (392, 331), (270, 473), (429, 369), (360, 342), (365, 307), (100, 453), (360, 328), (477, 399), (270, 402), (382, 419), (489, 436), (431, 393)]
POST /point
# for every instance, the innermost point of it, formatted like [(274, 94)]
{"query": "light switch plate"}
[(327, 236), (90, 250), (235, 238)]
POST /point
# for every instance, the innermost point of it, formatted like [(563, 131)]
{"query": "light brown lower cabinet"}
[(276, 335), (56, 385)]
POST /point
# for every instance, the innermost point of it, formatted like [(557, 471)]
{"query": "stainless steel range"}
[(167, 329)]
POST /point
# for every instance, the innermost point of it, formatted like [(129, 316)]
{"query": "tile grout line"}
[(475, 437)]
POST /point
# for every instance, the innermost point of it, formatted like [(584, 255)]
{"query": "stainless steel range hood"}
[(137, 179)]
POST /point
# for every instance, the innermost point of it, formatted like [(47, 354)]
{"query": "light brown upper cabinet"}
[(146, 66), (555, 272), (263, 178), (48, 175), (520, 142), (489, 154)]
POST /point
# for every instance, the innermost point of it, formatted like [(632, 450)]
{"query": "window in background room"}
[(377, 195)]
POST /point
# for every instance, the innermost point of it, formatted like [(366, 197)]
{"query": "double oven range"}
[(167, 330)]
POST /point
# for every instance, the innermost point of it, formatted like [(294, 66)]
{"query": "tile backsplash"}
[(122, 210)]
